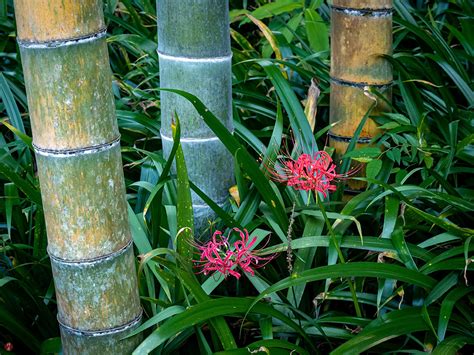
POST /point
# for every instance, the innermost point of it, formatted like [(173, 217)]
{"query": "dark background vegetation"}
[(416, 212)]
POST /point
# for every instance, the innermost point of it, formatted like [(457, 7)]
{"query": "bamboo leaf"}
[(316, 31), (276, 8), (268, 35)]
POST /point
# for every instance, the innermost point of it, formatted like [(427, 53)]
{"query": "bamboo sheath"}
[(76, 140), (194, 56), (361, 33)]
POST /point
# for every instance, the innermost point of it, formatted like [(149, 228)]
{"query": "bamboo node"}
[(63, 42), (88, 333), (367, 12)]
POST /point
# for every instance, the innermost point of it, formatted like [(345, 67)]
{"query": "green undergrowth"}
[(389, 271)]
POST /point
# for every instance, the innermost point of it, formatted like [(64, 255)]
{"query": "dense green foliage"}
[(403, 283)]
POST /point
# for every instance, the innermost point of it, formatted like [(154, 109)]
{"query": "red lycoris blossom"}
[(8, 347), (309, 173), (218, 255)]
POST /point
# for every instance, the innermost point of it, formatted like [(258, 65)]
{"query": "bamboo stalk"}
[(361, 32), (194, 55), (76, 141)]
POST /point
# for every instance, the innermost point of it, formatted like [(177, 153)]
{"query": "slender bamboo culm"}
[(77, 147), (361, 33), (194, 56)]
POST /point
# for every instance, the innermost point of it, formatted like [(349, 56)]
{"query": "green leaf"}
[(10, 105), (207, 310), (267, 346), (10, 321), (276, 8), (298, 120), (51, 346), (6, 279), (438, 239), (304, 258), (454, 75), (184, 208), (139, 236), (219, 324), (392, 205), (452, 344), (228, 220), (384, 328), (398, 239), (441, 288), (236, 149), (163, 315), (24, 185), (11, 199), (447, 307), (317, 31), (370, 243), (373, 168), (357, 269), (26, 139)]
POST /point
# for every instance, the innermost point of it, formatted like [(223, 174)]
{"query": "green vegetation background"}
[(407, 239)]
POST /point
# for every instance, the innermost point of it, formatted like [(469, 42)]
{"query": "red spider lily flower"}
[(309, 173), (246, 258), (8, 347), (218, 255)]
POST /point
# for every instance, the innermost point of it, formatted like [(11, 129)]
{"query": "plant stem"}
[(340, 255)]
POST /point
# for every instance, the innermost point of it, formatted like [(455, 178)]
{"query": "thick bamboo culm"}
[(194, 56), (361, 33), (77, 147)]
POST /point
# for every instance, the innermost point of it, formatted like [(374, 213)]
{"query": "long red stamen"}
[(217, 256), (309, 173)]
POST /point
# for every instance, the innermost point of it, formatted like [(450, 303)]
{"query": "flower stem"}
[(339, 253)]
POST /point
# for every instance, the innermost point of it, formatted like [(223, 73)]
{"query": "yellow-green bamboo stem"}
[(361, 33), (76, 141), (194, 53)]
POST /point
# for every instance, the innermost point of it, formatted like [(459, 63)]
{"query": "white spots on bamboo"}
[(80, 222)]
